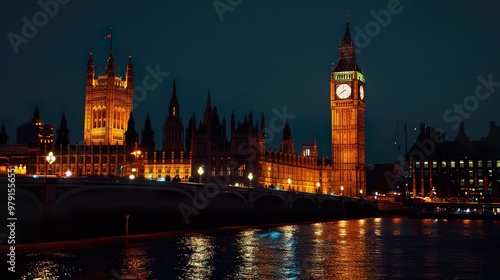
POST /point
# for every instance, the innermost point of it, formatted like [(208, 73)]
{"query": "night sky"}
[(260, 55)]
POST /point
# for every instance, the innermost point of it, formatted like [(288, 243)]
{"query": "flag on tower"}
[(107, 36)]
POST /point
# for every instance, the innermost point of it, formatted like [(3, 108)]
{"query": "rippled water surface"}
[(377, 248)]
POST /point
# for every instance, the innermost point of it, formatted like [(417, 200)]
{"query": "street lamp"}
[(200, 172), (361, 193), (341, 190), (289, 183), (137, 155), (250, 177), (317, 187), (50, 159)]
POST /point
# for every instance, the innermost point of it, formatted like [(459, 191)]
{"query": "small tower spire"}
[(36, 116), (209, 102), (129, 75), (4, 138), (148, 143), (63, 132), (347, 58), (173, 107)]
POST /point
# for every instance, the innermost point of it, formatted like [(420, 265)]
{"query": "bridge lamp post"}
[(317, 187), (341, 190), (361, 193), (250, 177), (200, 172), (50, 159), (289, 183)]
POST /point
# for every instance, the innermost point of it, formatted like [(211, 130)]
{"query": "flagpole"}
[(111, 41)]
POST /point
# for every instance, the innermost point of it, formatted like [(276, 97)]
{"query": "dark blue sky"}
[(262, 55)]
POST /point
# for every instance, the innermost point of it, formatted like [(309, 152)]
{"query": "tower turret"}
[(148, 143), (36, 116), (4, 138), (62, 132), (287, 140), (130, 134)]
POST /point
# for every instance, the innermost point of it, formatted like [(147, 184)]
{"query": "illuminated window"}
[(490, 173), (462, 164), (307, 152), (452, 164), (443, 164), (241, 169), (481, 182), (479, 163), (471, 163), (426, 164), (488, 163), (434, 164), (498, 163), (173, 111), (462, 182)]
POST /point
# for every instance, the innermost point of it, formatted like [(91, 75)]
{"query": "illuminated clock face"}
[(343, 91), (362, 92)]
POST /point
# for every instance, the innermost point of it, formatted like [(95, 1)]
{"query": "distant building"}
[(384, 178), (35, 132), (463, 169)]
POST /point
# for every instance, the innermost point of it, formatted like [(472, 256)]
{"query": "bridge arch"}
[(368, 209), (125, 195), (33, 207), (270, 203), (352, 208), (303, 203)]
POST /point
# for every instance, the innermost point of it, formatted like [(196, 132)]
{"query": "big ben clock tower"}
[(347, 102)]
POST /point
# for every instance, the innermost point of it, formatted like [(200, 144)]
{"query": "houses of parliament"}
[(201, 150)]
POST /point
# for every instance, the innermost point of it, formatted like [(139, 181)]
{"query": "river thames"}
[(373, 248)]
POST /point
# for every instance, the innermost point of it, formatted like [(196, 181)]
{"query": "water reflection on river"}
[(378, 248)]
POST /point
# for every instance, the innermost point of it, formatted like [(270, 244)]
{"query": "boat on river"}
[(457, 210)]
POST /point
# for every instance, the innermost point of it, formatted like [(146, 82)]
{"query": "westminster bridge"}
[(51, 209)]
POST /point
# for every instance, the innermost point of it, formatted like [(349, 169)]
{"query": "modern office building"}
[(462, 169)]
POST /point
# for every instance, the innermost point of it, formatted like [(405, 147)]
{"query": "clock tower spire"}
[(347, 103)]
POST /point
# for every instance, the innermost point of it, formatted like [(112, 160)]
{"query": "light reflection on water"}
[(379, 248)]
